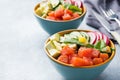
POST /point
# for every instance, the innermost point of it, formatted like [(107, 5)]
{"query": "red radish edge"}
[(78, 3), (96, 36), (93, 37), (75, 2), (100, 35), (106, 39)]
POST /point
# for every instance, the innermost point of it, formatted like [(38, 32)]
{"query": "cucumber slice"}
[(54, 3), (93, 37), (75, 34), (67, 36), (62, 39), (84, 34)]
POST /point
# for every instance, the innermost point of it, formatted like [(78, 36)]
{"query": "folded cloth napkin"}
[(105, 4)]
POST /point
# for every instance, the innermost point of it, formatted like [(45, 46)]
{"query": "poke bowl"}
[(79, 54), (58, 15)]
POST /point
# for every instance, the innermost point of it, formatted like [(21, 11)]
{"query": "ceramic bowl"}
[(79, 73), (52, 27)]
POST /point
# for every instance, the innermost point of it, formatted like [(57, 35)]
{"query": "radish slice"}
[(78, 3), (106, 39), (73, 2), (100, 35), (97, 36), (93, 37)]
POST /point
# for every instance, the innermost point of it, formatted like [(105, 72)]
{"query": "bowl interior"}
[(68, 31)]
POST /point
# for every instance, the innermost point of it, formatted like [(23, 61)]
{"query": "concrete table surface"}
[(21, 46)]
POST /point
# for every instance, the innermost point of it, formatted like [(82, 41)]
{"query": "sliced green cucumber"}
[(62, 39), (67, 36), (75, 34), (84, 34), (54, 3)]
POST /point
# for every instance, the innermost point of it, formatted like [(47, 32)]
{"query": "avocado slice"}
[(52, 49), (55, 37), (106, 49), (54, 53), (57, 45)]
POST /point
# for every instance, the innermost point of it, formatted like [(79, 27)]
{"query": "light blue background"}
[(21, 46)]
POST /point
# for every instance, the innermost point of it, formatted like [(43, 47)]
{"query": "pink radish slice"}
[(100, 35), (106, 39), (97, 35), (73, 2), (92, 37), (78, 3)]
